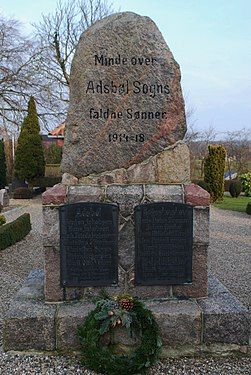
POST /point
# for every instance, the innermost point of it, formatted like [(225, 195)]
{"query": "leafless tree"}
[(16, 75), (58, 34), (237, 144)]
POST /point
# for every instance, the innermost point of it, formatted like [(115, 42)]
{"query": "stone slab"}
[(127, 197), (201, 224), (164, 193), (51, 236), (4, 198), (33, 288), (226, 319), (29, 325), (85, 193), (69, 317), (179, 321)]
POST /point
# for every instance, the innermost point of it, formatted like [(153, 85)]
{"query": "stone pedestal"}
[(127, 197), (215, 324)]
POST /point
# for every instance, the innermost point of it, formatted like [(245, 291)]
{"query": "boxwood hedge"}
[(15, 231)]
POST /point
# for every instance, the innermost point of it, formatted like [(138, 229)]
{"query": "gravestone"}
[(126, 103), (164, 243), (89, 244), (4, 198)]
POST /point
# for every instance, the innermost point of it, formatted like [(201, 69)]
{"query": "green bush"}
[(227, 183), (29, 156), (235, 189), (53, 154), (246, 183), (22, 193), (15, 231), (2, 220), (214, 171), (248, 208)]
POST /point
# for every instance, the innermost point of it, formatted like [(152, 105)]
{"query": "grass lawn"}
[(233, 204)]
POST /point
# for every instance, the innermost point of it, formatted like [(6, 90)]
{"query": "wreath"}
[(123, 311)]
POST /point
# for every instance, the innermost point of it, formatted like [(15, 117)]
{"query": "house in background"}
[(55, 136)]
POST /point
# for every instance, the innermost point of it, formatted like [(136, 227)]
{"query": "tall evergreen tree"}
[(3, 169), (29, 158)]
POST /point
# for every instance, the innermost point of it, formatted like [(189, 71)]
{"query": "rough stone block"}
[(52, 289), (173, 165), (85, 193), (201, 224), (199, 285), (165, 193), (127, 196), (55, 195), (68, 319), (51, 236), (68, 179), (144, 172), (126, 243), (179, 321), (196, 196), (226, 320), (30, 325)]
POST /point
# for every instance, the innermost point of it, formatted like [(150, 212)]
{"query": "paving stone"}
[(226, 320)]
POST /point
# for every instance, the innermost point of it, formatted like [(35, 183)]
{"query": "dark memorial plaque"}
[(163, 243), (89, 244)]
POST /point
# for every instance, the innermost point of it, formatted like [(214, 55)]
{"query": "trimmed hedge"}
[(235, 189), (15, 231), (248, 208)]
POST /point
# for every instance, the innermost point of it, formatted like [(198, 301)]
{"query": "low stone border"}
[(218, 323)]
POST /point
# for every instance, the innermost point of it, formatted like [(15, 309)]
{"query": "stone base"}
[(127, 197), (217, 324)]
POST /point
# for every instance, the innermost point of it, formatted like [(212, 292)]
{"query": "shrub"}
[(235, 189), (227, 183), (22, 193), (3, 170), (2, 220), (29, 158), (15, 231), (214, 171), (53, 154), (1, 207), (248, 208), (246, 183)]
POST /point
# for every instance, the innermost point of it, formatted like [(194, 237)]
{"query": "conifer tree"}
[(214, 171), (29, 158), (3, 169)]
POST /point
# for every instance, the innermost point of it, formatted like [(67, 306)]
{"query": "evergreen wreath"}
[(124, 311)]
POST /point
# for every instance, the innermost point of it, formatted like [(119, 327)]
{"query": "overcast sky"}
[(211, 40)]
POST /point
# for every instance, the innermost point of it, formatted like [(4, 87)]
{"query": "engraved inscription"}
[(88, 244), (163, 243)]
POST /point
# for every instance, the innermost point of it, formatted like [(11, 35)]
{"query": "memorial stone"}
[(126, 102)]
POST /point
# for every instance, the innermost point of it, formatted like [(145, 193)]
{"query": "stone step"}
[(217, 322)]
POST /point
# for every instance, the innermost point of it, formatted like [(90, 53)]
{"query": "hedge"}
[(15, 231)]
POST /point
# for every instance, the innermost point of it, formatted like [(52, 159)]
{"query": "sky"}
[(211, 41)]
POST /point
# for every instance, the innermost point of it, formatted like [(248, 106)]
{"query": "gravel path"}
[(230, 251), (229, 259)]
